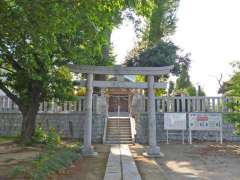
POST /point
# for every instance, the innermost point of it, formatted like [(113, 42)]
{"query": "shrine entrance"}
[(150, 85), (118, 105)]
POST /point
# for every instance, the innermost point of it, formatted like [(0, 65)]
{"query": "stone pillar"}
[(87, 142), (153, 149)]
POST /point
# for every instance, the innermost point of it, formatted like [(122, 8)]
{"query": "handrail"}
[(105, 126), (133, 129), (105, 129)]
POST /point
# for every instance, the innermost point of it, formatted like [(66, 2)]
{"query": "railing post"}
[(178, 104), (213, 105), (204, 104), (224, 106), (158, 105), (198, 103), (208, 105), (163, 104), (218, 104), (183, 102)]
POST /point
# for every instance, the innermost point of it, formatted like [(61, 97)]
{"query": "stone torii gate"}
[(150, 72)]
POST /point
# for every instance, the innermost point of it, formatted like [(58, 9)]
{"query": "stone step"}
[(116, 123), (117, 131), (120, 120), (118, 142), (118, 134), (119, 137), (120, 127)]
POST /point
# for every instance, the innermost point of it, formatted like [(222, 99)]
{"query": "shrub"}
[(46, 165), (48, 162), (40, 136), (51, 138)]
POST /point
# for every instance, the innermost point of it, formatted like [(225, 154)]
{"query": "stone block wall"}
[(69, 125), (142, 131)]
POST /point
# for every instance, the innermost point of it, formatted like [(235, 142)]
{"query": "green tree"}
[(184, 84), (183, 80), (190, 90), (38, 38), (164, 53), (201, 91), (163, 20), (232, 89), (171, 87)]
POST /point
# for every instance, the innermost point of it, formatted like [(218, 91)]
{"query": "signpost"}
[(175, 121), (205, 122)]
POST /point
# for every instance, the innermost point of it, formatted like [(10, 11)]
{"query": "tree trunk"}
[(29, 123), (29, 112)]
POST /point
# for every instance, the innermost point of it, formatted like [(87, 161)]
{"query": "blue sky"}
[(208, 29)]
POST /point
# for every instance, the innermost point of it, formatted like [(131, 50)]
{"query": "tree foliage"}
[(233, 90), (38, 38), (162, 20), (164, 53), (183, 80), (185, 86), (171, 87)]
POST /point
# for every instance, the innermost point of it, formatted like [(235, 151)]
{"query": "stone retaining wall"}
[(142, 131), (71, 125), (67, 124)]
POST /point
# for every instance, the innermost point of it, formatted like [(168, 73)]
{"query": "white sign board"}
[(205, 121), (175, 121)]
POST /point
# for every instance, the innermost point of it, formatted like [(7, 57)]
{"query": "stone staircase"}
[(118, 131)]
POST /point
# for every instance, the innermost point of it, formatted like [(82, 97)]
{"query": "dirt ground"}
[(200, 161), (11, 155), (88, 168), (147, 167)]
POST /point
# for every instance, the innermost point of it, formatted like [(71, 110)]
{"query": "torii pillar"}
[(87, 142), (153, 149)]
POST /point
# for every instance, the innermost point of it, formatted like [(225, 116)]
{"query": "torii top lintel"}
[(120, 70)]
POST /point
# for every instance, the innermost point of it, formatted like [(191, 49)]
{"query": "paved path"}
[(121, 165)]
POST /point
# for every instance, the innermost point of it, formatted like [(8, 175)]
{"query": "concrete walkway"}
[(121, 165)]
